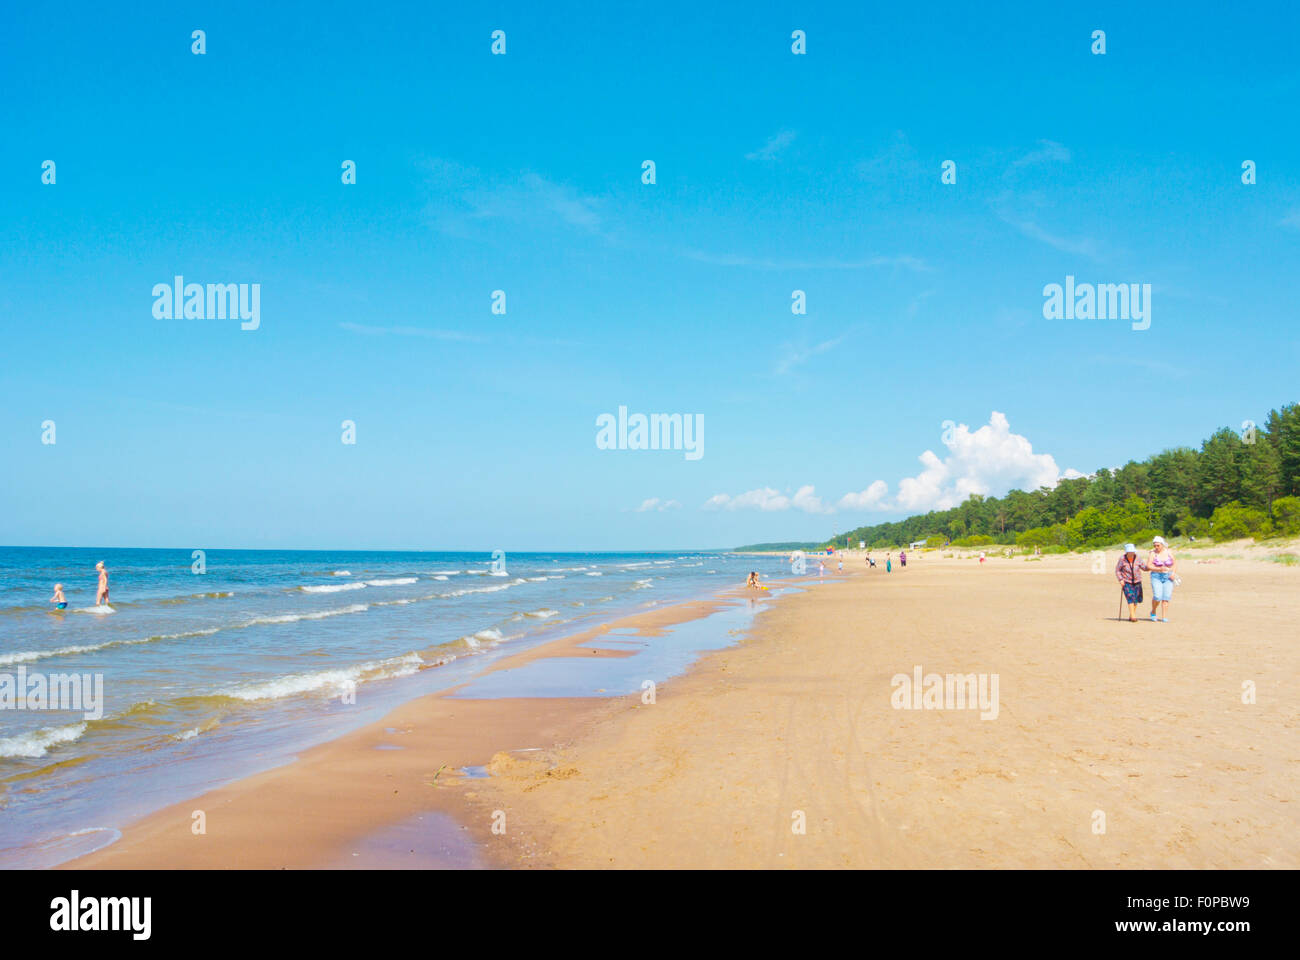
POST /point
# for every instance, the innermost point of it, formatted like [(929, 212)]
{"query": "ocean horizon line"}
[(337, 550)]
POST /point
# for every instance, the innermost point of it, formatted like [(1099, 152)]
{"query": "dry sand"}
[(1141, 723)]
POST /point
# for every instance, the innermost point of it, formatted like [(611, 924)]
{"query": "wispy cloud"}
[(1029, 227), (893, 162), (656, 505), (776, 263), (1049, 151), (775, 144), (429, 333), (1083, 246), (461, 197), (796, 355)]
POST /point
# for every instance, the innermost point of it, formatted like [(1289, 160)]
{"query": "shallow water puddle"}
[(428, 841), (650, 658)]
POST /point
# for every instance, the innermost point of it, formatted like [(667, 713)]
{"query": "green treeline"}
[(1237, 485), (784, 546)]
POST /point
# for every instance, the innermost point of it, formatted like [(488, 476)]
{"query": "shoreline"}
[(382, 778), (1141, 724)]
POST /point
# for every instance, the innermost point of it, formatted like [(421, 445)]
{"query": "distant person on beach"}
[(753, 579), (1129, 574), (1160, 561), (59, 600), (841, 567), (981, 556), (889, 563), (821, 569), (101, 593), (902, 558)]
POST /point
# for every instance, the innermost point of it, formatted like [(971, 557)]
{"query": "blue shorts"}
[(1162, 586)]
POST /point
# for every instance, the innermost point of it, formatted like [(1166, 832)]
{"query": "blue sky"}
[(522, 172)]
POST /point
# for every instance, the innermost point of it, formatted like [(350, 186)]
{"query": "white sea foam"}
[(476, 641), (395, 582), (27, 656), (38, 742), (595, 573), (642, 584), (444, 573), (319, 615), (327, 681), (542, 614), (341, 573), (535, 579), (440, 577), (465, 590), (204, 727), (332, 587)]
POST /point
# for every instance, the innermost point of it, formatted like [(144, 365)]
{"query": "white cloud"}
[(654, 503), (872, 498), (768, 500), (808, 501), (990, 460), (764, 498)]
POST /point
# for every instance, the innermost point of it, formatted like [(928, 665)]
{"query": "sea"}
[(207, 667)]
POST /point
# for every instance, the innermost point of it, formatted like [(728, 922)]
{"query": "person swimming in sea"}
[(101, 592), (59, 600)]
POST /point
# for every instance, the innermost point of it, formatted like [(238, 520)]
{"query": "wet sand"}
[(393, 793), (1115, 744)]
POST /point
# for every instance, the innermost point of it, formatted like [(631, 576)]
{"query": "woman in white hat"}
[(1160, 561), (1129, 574)]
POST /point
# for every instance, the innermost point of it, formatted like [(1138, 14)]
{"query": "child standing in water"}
[(59, 600)]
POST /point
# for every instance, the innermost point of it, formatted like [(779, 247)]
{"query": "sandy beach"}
[(1115, 744)]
